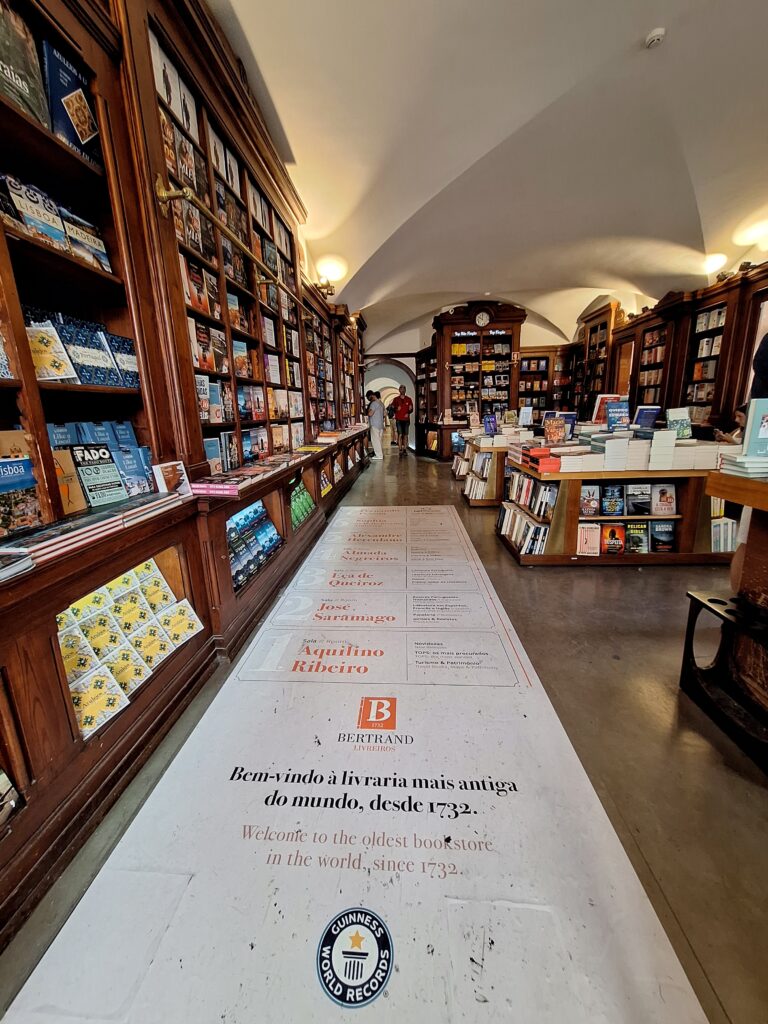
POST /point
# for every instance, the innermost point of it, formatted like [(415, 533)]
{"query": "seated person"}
[(736, 436)]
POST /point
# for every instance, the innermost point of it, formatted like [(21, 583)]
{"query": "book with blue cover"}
[(612, 500), (36, 214), (19, 505), (124, 352), (61, 435), (89, 354), (72, 117), (85, 240), (132, 470), (124, 433), (96, 433), (617, 415)]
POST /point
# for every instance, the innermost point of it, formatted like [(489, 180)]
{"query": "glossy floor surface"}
[(689, 808)]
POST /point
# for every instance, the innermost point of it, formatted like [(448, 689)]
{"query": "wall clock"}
[(482, 319)]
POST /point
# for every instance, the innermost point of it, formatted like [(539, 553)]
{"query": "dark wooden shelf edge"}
[(617, 561)]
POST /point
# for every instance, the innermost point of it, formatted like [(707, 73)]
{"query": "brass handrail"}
[(168, 195)]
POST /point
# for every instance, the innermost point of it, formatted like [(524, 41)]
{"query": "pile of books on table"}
[(43, 545)]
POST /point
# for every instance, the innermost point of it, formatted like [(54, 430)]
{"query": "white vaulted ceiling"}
[(530, 149)]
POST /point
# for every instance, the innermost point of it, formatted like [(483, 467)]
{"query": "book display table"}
[(734, 688), (562, 519)]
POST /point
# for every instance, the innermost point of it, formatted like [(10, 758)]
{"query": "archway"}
[(386, 376)]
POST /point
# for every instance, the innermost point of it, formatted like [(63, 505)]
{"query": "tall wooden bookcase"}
[(593, 369), (64, 781)]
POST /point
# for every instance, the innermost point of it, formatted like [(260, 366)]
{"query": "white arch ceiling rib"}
[(531, 149)]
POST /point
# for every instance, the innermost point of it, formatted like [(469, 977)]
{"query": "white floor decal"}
[(433, 853)]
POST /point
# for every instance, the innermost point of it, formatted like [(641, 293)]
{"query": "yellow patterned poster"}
[(157, 593), (131, 611), (94, 602), (152, 644), (128, 668), (76, 653), (96, 698), (180, 622), (120, 584), (102, 633)]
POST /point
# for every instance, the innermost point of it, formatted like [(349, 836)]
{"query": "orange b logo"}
[(377, 713)]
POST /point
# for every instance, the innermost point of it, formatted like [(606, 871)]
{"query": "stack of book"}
[(662, 450), (67, 350), (754, 467), (47, 543), (302, 505), (638, 454), (14, 564), (753, 461)]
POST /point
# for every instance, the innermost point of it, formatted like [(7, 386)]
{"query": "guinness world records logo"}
[(355, 957)]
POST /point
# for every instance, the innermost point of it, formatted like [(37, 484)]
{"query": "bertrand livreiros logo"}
[(354, 957)]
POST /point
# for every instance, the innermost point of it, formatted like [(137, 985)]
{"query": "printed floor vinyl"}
[(380, 809)]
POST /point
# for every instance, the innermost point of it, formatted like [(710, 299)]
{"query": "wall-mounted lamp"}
[(325, 287)]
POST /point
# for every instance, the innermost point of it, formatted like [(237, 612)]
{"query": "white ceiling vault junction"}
[(532, 150)]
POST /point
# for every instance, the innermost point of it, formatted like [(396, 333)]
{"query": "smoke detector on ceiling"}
[(655, 38)]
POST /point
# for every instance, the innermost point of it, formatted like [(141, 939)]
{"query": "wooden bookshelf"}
[(692, 540), (65, 783), (476, 359), (535, 376), (593, 366), (493, 478)]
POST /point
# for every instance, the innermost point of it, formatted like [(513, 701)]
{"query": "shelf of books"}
[(475, 360), (592, 377), (242, 317), (562, 388), (345, 355), (702, 367), (321, 394), (632, 517), (427, 410), (93, 667), (481, 466), (533, 386)]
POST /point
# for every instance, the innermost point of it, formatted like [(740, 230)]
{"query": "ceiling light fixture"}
[(332, 268), (715, 261), (655, 38), (753, 231)]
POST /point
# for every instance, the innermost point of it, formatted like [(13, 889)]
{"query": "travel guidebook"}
[(99, 475), (72, 116)]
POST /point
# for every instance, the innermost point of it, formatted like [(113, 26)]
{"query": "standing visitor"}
[(403, 407), (376, 424)]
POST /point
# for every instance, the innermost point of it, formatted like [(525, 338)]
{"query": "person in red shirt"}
[(403, 407)]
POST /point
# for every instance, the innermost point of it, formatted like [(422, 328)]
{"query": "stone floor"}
[(689, 808)]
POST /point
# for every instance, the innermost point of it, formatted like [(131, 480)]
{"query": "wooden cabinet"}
[(478, 351)]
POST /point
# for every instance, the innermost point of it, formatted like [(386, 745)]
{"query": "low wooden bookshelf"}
[(692, 517), (494, 476)]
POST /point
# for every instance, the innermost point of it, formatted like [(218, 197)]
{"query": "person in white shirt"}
[(376, 424)]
